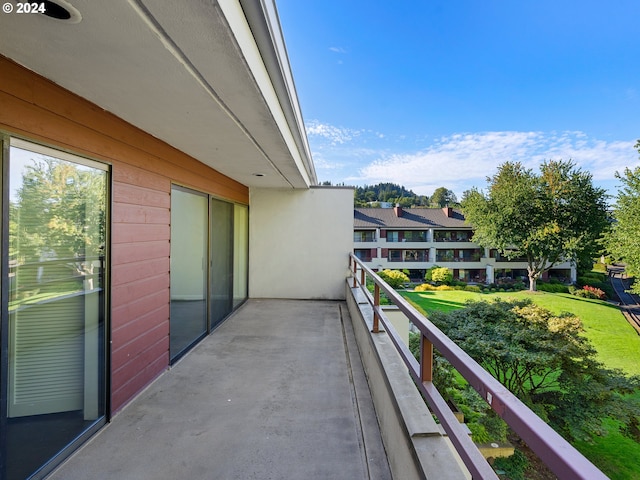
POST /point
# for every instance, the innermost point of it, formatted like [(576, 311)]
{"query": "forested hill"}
[(388, 192)]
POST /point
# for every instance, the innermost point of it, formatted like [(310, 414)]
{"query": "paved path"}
[(277, 392), (629, 304)]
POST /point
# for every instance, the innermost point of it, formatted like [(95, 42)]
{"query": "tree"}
[(58, 213), (441, 275), (545, 360), (395, 278), (547, 218), (623, 241), (387, 192), (443, 197)]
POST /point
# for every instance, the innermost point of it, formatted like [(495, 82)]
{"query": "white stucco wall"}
[(299, 242)]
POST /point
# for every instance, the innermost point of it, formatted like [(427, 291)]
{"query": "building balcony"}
[(277, 391), (310, 389), (360, 245)]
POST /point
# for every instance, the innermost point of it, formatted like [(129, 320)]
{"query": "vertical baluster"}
[(376, 305), (426, 359), (355, 271)]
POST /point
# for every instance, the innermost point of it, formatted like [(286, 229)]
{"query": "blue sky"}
[(430, 93)]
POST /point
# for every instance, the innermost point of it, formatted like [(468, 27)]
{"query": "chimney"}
[(398, 210), (448, 211)]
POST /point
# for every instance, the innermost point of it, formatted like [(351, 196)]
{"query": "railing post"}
[(363, 277), (426, 359), (355, 271), (376, 305)]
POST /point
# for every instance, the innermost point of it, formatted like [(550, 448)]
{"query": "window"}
[(53, 327), (415, 255), (415, 236), (364, 236), (395, 255), (393, 236), (363, 254)]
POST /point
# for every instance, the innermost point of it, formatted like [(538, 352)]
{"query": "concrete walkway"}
[(277, 392)]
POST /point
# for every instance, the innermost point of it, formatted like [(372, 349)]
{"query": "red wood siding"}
[(143, 169)]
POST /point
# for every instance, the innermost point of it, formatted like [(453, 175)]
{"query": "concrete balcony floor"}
[(276, 392)]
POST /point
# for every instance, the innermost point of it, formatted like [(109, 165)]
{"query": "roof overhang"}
[(210, 78)]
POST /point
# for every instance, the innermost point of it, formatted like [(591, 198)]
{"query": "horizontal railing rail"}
[(558, 454)]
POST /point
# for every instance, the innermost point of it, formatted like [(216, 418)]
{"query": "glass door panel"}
[(189, 235), (221, 295), (55, 373), (240, 253)]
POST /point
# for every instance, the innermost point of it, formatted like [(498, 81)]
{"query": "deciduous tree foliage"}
[(53, 203), (548, 218), (388, 192), (441, 275), (545, 361), (443, 197), (623, 241), (395, 278)]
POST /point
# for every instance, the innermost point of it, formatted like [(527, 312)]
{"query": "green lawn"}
[(616, 342)]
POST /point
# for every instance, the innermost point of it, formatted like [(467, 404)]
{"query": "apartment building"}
[(418, 238)]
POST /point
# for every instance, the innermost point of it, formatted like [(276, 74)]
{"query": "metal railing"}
[(561, 458)]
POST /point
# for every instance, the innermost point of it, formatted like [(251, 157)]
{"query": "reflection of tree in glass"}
[(57, 218)]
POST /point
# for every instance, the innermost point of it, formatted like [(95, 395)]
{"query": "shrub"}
[(478, 433), (590, 292), (472, 288), (514, 466), (519, 286), (599, 267), (591, 277), (595, 291), (442, 275), (425, 287), (429, 273), (495, 426), (395, 278), (597, 280), (552, 287)]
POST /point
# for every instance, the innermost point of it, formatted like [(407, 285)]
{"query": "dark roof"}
[(411, 218)]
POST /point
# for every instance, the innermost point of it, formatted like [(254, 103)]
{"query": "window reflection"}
[(57, 238)]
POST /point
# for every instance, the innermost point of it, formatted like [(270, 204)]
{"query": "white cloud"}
[(335, 135), (338, 50), (460, 161)]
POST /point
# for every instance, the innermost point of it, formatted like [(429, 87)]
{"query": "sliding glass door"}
[(209, 259), (189, 258), (53, 328), (221, 296), (240, 253)]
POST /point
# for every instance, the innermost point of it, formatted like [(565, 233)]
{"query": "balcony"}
[(452, 236), (278, 391), (407, 236), (304, 389)]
